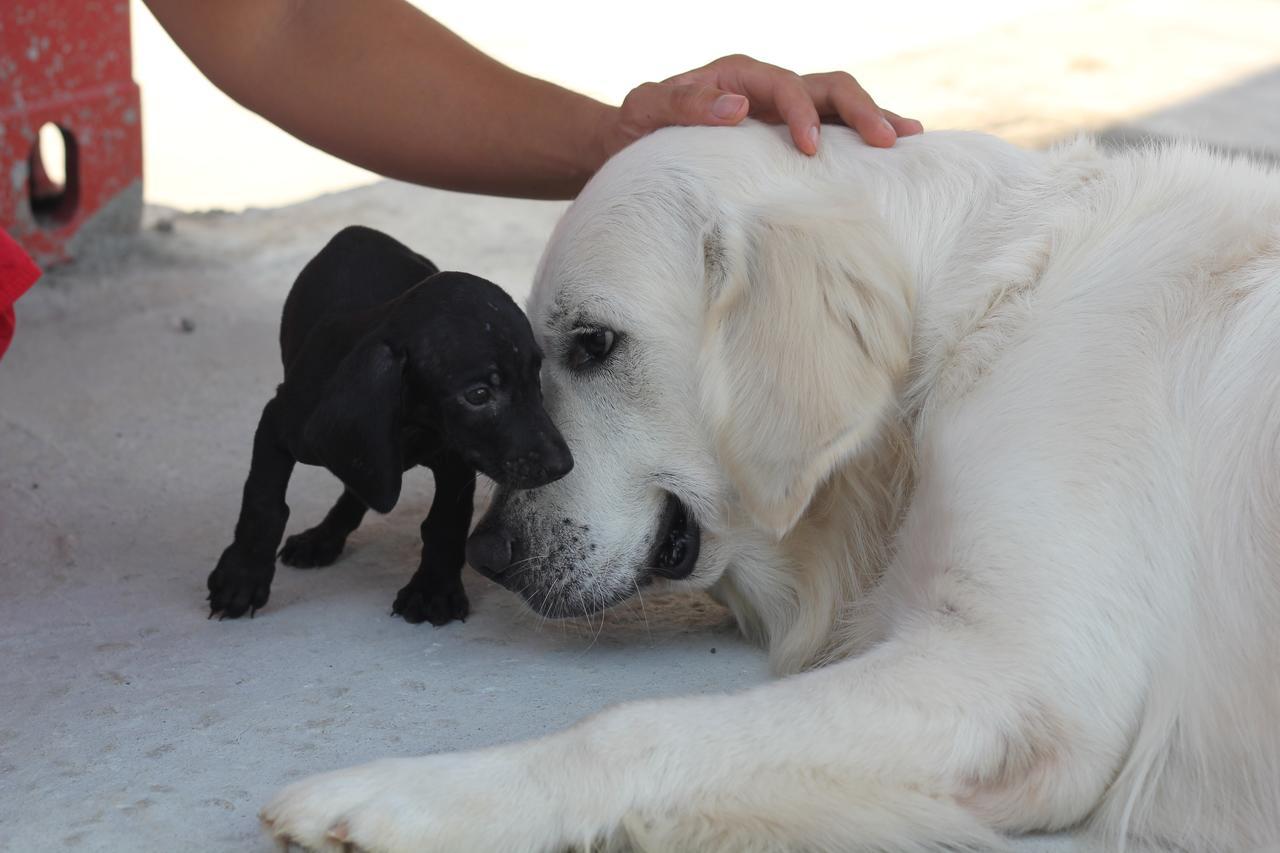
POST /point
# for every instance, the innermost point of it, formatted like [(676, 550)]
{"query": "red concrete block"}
[(68, 62)]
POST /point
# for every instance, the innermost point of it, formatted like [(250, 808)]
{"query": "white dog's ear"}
[(806, 340)]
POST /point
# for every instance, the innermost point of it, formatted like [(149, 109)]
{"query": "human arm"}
[(386, 87)]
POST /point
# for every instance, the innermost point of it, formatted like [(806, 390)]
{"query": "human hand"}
[(730, 89)]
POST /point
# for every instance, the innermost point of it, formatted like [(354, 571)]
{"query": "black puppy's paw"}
[(236, 586), (439, 605), (312, 549)]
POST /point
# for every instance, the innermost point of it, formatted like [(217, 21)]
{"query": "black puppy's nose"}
[(545, 462), (489, 552), (559, 461)]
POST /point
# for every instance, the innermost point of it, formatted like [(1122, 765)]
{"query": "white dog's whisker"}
[(644, 616)]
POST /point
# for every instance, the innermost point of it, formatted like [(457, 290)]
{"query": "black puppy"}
[(389, 364)]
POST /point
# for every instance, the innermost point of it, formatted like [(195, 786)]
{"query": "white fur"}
[(986, 440)]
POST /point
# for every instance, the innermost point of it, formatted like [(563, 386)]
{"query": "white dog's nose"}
[(489, 552)]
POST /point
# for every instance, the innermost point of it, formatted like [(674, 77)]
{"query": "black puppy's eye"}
[(478, 396), (591, 346)]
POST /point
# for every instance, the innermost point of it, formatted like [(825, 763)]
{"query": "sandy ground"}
[(127, 405), (1029, 70)]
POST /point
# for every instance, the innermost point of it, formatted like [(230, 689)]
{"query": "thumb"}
[(656, 105)]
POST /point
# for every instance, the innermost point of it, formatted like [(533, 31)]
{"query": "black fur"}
[(384, 357)]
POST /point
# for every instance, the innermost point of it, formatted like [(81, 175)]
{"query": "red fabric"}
[(17, 274)]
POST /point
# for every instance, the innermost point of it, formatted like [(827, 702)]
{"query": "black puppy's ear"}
[(355, 429)]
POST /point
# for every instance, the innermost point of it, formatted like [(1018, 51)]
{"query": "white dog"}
[(986, 440)]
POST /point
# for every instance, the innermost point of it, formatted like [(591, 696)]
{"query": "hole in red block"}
[(53, 179)]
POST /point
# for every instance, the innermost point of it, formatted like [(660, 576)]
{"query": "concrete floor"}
[(127, 404), (129, 722)]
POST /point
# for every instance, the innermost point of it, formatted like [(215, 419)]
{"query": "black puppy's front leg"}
[(242, 579), (322, 544), (434, 594)]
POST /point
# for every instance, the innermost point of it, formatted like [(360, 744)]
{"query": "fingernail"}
[(813, 138), (727, 106), (888, 126)]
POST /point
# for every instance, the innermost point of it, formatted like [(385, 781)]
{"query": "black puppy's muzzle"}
[(545, 461), (535, 457)]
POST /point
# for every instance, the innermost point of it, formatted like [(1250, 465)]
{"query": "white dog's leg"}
[(984, 711), (908, 746)]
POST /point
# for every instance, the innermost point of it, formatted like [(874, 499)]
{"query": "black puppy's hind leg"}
[(242, 579), (434, 594), (322, 544)]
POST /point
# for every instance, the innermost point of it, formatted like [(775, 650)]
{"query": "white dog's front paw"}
[(474, 802), (347, 807)]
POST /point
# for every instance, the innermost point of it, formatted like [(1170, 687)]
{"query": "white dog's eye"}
[(590, 347)]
